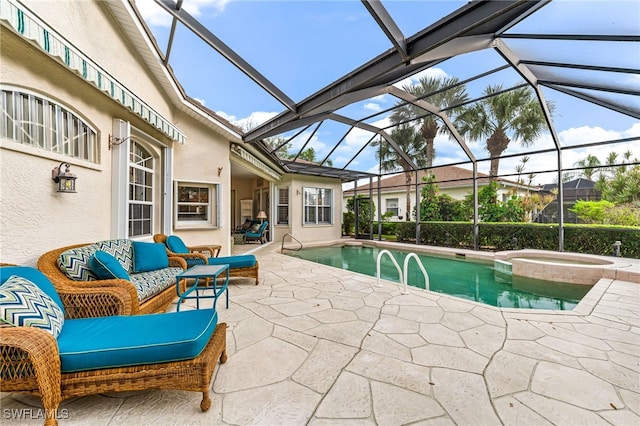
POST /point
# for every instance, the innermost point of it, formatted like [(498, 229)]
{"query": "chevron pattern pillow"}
[(75, 263), (120, 249), (22, 303)]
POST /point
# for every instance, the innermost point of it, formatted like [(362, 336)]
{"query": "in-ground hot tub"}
[(572, 268)]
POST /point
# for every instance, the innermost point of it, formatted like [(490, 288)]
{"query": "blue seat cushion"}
[(244, 261), (120, 341), (149, 256), (107, 267)]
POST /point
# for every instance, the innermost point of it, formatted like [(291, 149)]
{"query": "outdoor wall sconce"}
[(66, 180), (297, 192), (113, 141)]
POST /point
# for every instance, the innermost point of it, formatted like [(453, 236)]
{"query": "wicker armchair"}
[(30, 362), (103, 297), (245, 266)]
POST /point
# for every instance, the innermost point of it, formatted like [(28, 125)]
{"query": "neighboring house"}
[(83, 84), (452, 180)]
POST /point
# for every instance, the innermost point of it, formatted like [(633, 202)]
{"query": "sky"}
[(303, 46)]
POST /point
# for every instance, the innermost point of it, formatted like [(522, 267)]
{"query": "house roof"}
[(447, 177), (580, 183)]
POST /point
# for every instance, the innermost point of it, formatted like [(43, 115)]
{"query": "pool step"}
[(502, 266)]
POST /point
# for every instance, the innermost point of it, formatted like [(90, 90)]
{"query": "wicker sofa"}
[(83, 294), (46, 353)]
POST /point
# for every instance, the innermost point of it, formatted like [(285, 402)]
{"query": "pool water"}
[(461, 278)]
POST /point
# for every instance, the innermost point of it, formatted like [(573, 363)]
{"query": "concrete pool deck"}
[(322, 346)]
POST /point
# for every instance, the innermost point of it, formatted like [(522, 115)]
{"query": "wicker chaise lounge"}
[(58, 366), (239, 266), (107, 296)]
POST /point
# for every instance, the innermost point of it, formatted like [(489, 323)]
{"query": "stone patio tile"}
[(396, 406), (390, 310), (250, 331), (615, 324), (368, 313), (346, 422), (408, 340), (439, 421), (535, 350), (452, 304), (612, 373), (297, 323), (513, 412), (327, 357), (303, 307), (489, 315), (571, 336), (330, 316), (606, 333), (621, 417), (348, 398), (376, 299), (444, 356), (459, 321), (464, 397), (263, 311), (508, 373), (392, 324), (412, 300), (268, 361), (626, 348), (301, 340), (381, 344), (485, 340), (631, 400), (284, 403), (426, 314), (571, 348), (343, 302), (389, 370), (440, 335), (518, 329), (349, 333), (559, 413), (576, 387), (274, 299)]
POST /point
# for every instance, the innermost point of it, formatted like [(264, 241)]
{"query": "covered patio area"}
[(318, 345)]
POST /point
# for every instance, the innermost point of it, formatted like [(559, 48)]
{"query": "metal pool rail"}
[(292, 238), (406, 268)]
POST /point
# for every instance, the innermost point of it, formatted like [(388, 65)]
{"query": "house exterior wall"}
[(34, 217), (296, 227)]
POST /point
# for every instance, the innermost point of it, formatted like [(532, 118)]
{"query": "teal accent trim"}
[(47, 43), (113, 90), (20, 22), (84, 68), (67, 55), (99, 80)]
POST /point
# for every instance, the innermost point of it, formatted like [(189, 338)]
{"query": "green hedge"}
[(591, 239)]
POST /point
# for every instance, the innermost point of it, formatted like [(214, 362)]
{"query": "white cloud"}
[(371, 106), (255, 119), (429, 72), (154, 15), (199, 100)]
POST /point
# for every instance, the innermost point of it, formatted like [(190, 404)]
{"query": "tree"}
[(589, 166), (366, 210), (409, 141), (445, 94), (283, 149), (501, 118)]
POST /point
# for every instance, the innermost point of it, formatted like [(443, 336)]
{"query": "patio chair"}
[(257, 234), (239, 266), (43, 352)]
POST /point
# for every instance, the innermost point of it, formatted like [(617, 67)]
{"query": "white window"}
[(196, 205), (36, 121), (318, 204), (282, 205), (141, 186), (391, 205)]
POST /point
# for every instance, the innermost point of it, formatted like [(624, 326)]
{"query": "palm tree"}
[(589, 166), (411, 142), (498, 115), (445, 94)]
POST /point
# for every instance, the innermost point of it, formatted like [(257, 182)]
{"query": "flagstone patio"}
[(321, 346)]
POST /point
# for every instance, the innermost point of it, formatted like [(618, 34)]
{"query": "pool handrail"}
[(406, 270), (292, 238), (393, 259)]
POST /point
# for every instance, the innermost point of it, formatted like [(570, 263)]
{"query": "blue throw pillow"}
[(176, 245), (23, 304), (107, 267), (149, 256)]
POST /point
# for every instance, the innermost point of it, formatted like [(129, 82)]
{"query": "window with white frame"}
[(196, 205), (33, 120), (141, 186), (282, 205), (318, 204), (391, 206)]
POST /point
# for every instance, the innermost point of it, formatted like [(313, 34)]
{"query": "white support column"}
[(119, 146)]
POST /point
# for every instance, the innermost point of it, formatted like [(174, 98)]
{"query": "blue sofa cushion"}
[(120, 249), (243, 261), (149, 256), (125, 340), (176, 245), (23, 304), (107, 267), (150, 283)]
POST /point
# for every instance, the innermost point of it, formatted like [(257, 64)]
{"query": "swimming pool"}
[(462, 278)]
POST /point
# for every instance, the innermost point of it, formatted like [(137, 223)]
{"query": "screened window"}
[(196, 205), (35, 121), (282, 206), (318, 204), (391, 205), (141, 176)]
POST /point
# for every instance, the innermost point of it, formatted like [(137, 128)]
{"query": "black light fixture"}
[(66, 180)]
